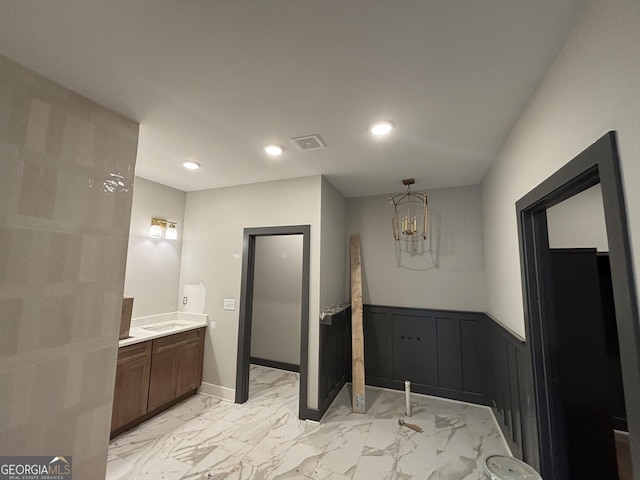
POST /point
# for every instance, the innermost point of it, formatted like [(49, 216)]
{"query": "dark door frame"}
[(599, 163), (246, 309)]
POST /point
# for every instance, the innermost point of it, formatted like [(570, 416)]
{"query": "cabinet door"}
[(130, 395), (190, 373), (164, 377), (415, 350)]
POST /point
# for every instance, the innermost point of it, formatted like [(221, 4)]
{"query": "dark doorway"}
[(585, 362), (598, 164), (246, 309)]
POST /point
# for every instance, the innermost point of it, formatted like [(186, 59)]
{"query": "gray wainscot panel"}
[(463, 356), (440, 352)]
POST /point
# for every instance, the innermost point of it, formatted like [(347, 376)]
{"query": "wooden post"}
[(357, 336)]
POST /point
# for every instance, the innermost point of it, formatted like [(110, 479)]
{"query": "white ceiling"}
[(213, 81)]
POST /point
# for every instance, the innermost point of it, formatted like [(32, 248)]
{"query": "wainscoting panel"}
[(335, 358), (378, 340), (449, 354), (414, 344), (463, 356), (474, 373), (440, 352), (511, 390)]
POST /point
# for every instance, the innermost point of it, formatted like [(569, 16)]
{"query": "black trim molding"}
[(599, 163), (246, 310), (290, 367)]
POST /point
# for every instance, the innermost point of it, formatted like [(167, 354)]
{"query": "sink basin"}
[(164, 326)]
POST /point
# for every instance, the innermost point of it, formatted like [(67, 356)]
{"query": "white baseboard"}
[(223, 393)]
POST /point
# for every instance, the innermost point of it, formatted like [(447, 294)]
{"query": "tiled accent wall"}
[(66, 179)]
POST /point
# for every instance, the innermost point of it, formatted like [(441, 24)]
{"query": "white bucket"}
[(498, 467)]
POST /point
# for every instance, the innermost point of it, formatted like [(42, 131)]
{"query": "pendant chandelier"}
[(409, 214)]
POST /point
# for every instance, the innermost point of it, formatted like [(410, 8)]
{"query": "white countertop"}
[(156, 326)]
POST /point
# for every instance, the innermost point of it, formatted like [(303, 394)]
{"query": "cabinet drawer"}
[(134, 352), (177, 339)]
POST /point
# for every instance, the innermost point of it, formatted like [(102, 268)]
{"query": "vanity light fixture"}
[(273, 150), (191, 165), (157, 224), (381, 128), (155, 230), (409, 214), (171, 233)]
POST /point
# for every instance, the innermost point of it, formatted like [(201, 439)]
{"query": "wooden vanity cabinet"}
[(176, 367), (154, 375), (132, 384)]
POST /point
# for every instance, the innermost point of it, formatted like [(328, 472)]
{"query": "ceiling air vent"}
[(308, 142)]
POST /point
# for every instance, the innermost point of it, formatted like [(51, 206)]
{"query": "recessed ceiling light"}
[(273, 150), (191, 165), (383, 127)]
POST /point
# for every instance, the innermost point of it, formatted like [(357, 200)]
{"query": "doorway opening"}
[(582, 340), (276, 307), (545, 329), (247, 304)]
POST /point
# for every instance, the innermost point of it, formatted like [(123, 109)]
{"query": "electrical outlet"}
[(184, 300), (229, 304)]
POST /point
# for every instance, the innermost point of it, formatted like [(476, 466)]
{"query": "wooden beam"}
[(357, 335)]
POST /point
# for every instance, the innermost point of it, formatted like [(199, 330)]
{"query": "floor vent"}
[(308, 142)]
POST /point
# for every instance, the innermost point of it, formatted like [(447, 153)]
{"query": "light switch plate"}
[(229, 304)]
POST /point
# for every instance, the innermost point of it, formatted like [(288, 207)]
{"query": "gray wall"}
[(212, 246), (334, 268), (578, 222), (447, 271), (153, 264), (591, 88), (64, 224), (277, 293)]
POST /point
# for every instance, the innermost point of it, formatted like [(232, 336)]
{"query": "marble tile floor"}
[(207, 438)]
